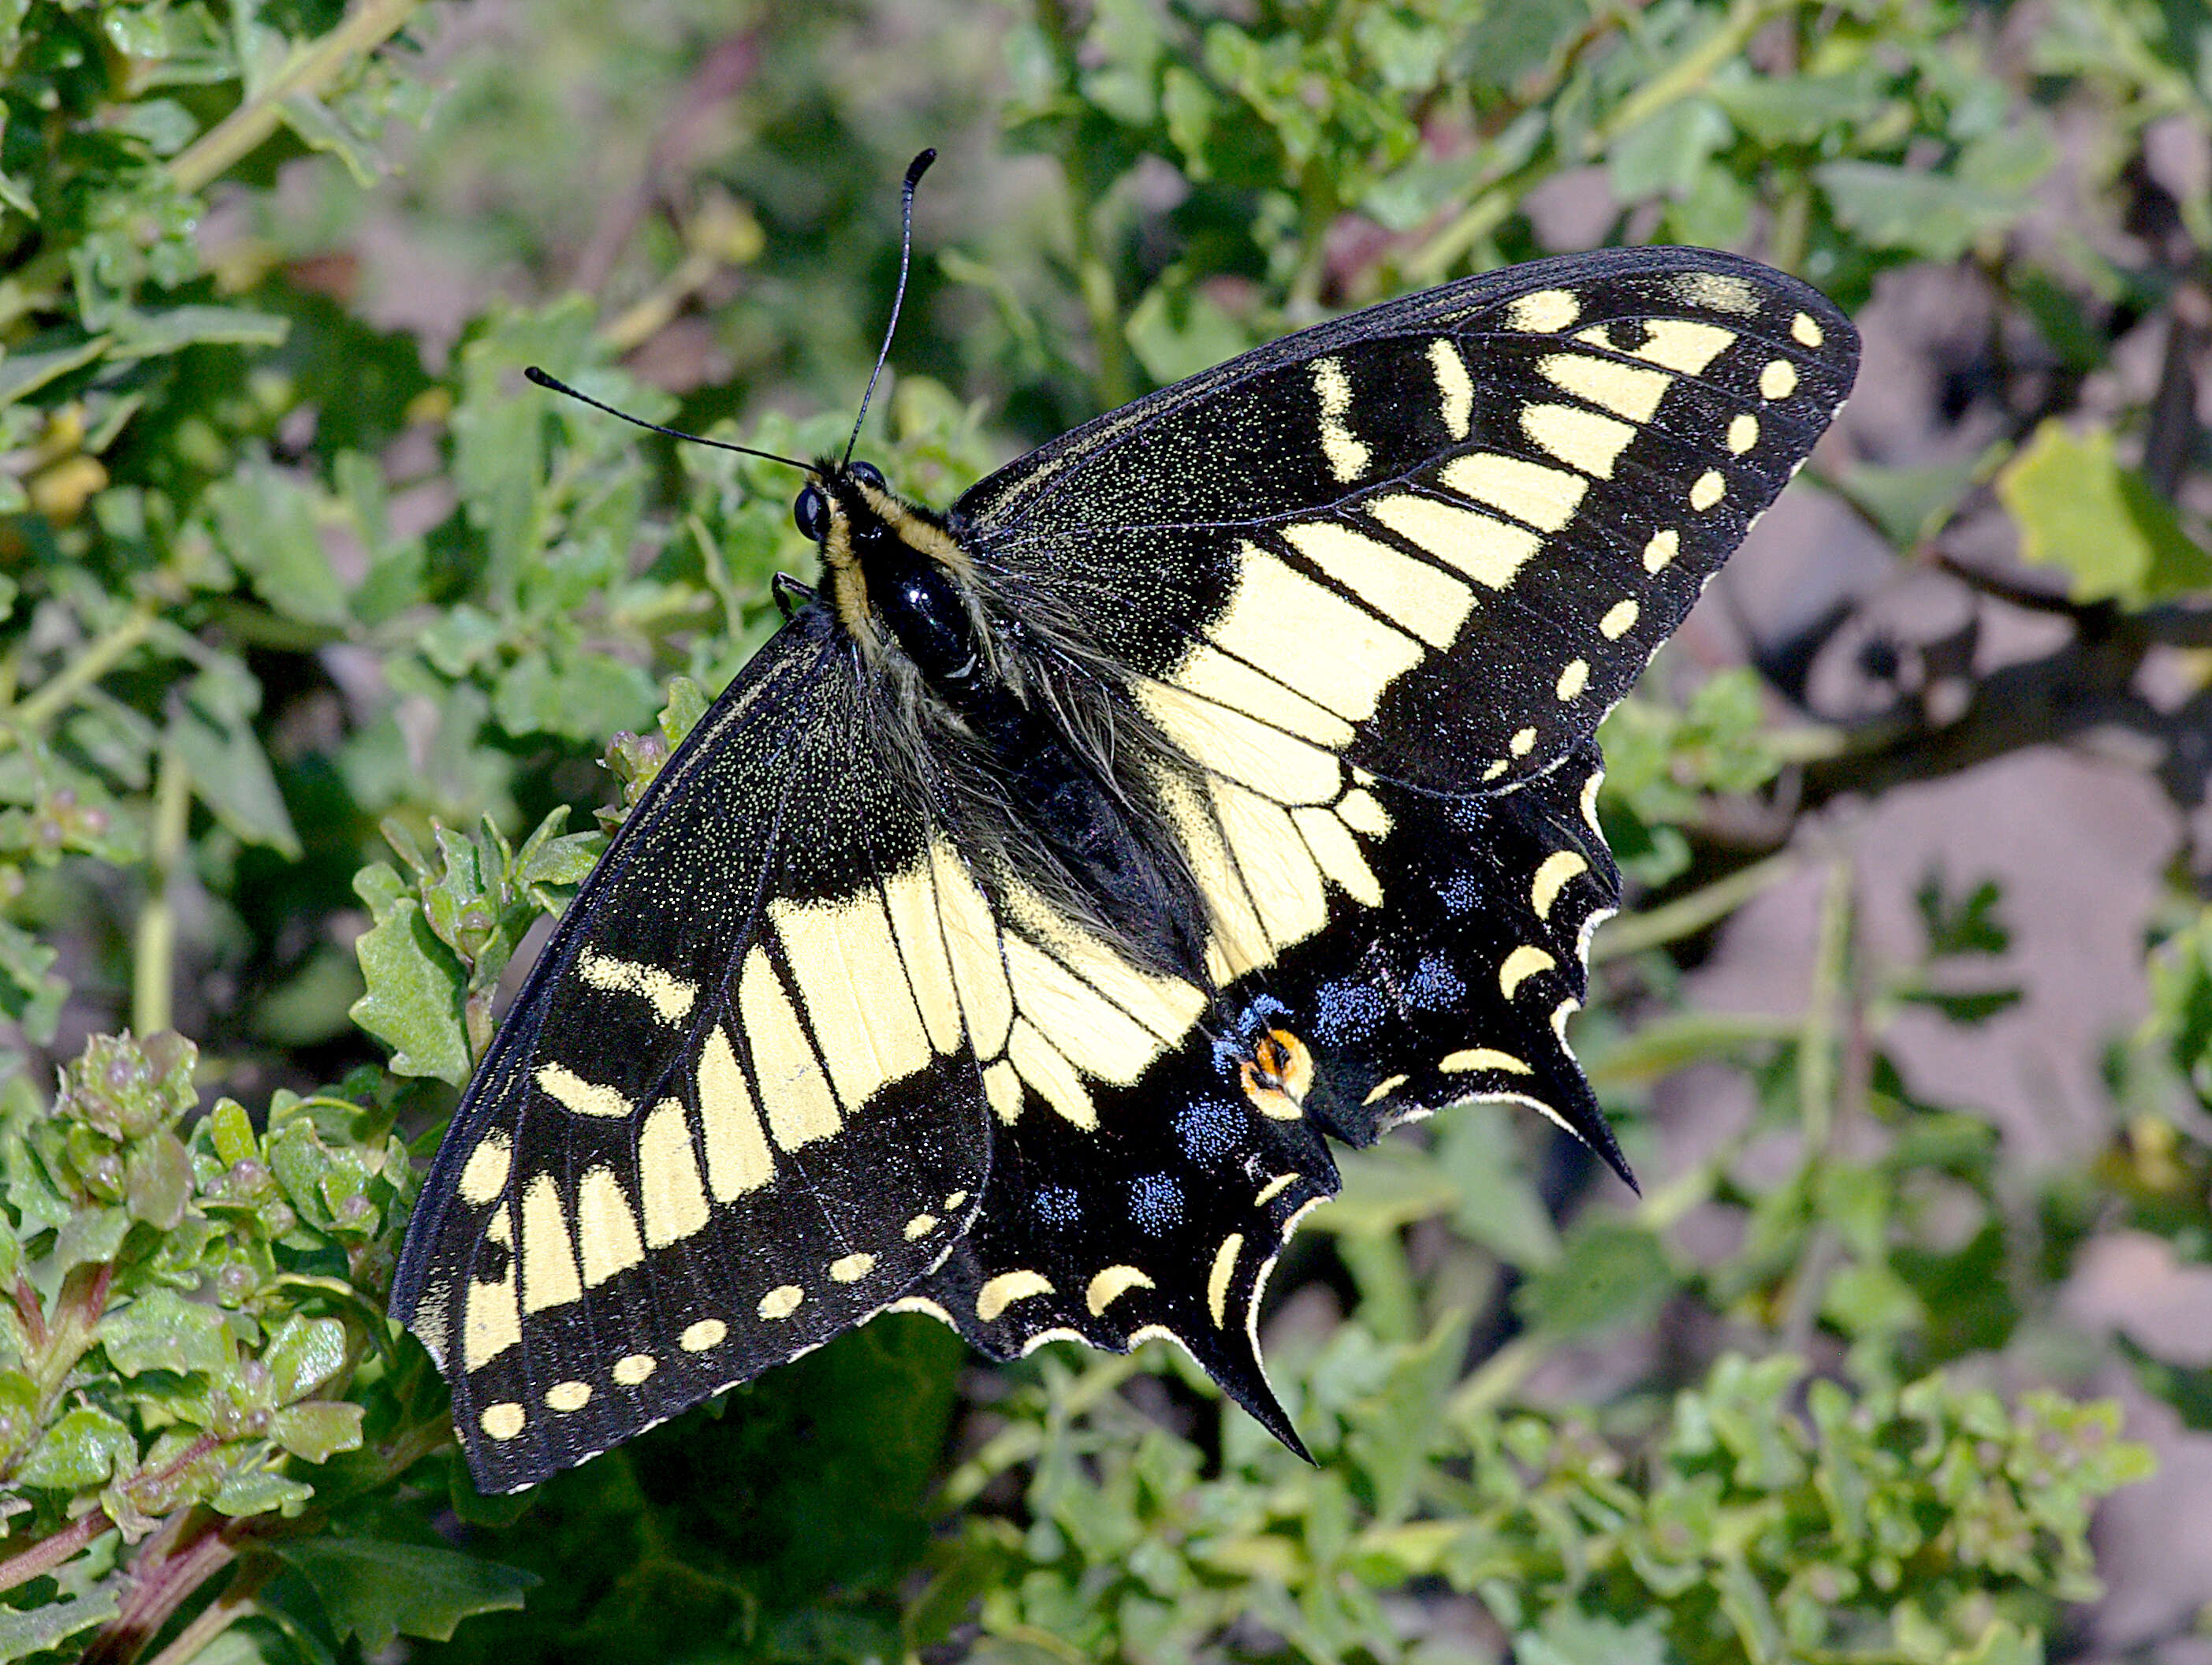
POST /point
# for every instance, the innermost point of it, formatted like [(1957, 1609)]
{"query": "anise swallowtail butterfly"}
[(1015, 931)]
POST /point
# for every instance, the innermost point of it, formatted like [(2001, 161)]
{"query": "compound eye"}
[(869, 474), (812, 512)]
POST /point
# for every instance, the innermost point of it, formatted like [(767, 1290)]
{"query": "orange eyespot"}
[(1278, 1075)]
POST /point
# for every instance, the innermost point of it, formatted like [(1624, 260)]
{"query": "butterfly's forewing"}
[(734, 1111), (1439, 538)]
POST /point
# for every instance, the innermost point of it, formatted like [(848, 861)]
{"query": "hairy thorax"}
[(1046, 808)]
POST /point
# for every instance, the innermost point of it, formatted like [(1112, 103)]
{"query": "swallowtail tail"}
[(1015, 931)]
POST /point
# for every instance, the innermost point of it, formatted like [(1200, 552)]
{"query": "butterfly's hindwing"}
[(736, 1110), (1453, 983)]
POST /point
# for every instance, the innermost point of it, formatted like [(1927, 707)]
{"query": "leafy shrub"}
[(310, 638)]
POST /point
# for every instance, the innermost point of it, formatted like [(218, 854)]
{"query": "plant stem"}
[(241, 132), (154, 954), (158, 1591), (52, 1550), (102, 654), (1501, 1373), (1093, 279), (1686, 916), (1823, 1254), (220, 1614), (1689, 72), (1467, 228), (76, 1312), (1816, 1046)]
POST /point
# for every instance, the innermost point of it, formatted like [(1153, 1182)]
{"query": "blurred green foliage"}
[(310, 612)]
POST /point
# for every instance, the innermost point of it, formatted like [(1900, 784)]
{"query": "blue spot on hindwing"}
[(1347, 1011), (1155, 1203), (1209, 1129), (1461, 892), (1434, 983), (1260, 1014), (1057, 1205)]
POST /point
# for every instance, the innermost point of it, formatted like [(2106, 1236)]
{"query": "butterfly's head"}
[(869, 536)]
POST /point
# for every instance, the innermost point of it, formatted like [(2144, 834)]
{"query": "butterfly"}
[(1016, 932)]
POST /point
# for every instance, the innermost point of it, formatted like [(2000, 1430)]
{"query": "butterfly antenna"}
[(914, 170), (532, 373)]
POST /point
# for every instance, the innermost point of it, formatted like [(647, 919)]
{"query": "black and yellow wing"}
[(733, 1111), (1378, 581), (1437, 539), (836, 1025)]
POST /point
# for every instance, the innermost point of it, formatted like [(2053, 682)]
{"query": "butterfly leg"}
[(790, 594)]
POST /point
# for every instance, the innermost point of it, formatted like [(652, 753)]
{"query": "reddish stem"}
[(33, 1316), (157, 1594), (51, 1551)]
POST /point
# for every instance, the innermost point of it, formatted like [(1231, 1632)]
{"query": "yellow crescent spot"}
[(1216, 1281), (1008, 1287), (1110, 1284), (1523, 964)]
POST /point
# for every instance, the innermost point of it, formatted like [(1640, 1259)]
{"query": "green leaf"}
[(31, 995), (18, 1415), (414, 991), (1125, 36), (259, 1491), (22, 374), (1936, 215), (1508, 43), (1778, 110), (85, 1448), (1479, 1148), (157, 1179), (1870, 1300), (1956, 924), (231, 1131), (316, 1431), (269, 524), (2081, 510), (1176, 332), (41, 1629), (304, 1355), (90, 1235), (319, 129), (377, 1591), (2180, 1015), (1386, 1186), (1613, 1274), (162, 1331), (1964, 1006), (1571, 1637), (231, 774), (550, 857), (1908, 504), (2002, 1644), (149, 335), (1663, 155), (573, 693)]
